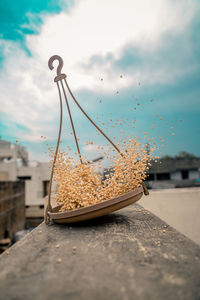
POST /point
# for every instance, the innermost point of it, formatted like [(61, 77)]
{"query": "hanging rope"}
[(73, 129), (49, 208)]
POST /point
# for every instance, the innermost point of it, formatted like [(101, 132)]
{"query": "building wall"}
[(12, 208), (34, 176), (176, 175), (193, 174), (8, 171), (34, 188), (14, 151)]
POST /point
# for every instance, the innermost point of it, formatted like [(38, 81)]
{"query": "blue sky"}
[(147, 53)]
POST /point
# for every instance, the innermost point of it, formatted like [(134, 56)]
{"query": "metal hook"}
[(59, 67)]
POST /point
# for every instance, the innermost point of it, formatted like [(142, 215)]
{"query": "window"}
[(163, 176), (45, 187), (185, 174), (150, 177), (24, 177)]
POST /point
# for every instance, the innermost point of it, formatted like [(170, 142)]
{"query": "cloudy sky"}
[(123, 59)]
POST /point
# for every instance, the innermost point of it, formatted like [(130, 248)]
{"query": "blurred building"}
[(11, 156), (14, 165), (182, 170), (12, 211)]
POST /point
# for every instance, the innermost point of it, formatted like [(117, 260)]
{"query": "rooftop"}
[(174, 164)]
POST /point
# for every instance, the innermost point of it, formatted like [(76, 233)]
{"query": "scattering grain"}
[(77, 185)]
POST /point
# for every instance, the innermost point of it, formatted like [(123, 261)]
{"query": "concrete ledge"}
[(125, 255)]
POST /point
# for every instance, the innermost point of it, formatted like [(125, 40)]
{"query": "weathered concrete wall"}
[(127, 255), (12, 208), (8, 171), (178, 207)]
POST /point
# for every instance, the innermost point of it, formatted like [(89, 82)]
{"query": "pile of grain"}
[(77, 185)]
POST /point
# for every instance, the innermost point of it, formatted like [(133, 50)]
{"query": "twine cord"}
[(49, 207), (72, 124)]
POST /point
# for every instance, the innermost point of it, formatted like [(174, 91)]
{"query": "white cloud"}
[(28, 93), (102, 27)]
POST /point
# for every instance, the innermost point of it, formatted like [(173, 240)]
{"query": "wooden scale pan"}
[(95, 210)]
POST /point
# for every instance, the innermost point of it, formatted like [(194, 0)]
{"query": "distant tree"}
[(184, 154), (181, 154), (167, 157)]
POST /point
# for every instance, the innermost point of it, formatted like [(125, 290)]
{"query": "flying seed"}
[(77, 184)]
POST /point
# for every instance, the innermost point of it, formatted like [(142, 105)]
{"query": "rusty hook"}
[(59, 67)]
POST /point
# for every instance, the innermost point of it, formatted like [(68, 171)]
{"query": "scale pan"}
[(96, 210)]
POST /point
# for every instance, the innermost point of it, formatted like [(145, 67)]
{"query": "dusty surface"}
[(125, 255)]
